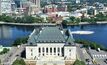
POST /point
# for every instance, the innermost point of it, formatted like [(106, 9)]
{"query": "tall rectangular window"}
[(46, 50), (50, 50), (62, 51), (39, 50), (54, 50), (58, 49), (43, 49)]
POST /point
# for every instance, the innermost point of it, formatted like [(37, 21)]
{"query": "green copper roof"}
[(48, 35)]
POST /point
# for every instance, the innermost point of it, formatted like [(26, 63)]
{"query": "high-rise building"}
[(36, 2), (0, 7), (6, 6), (33, 7)]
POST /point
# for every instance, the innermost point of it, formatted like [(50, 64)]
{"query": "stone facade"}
[(50, 53)]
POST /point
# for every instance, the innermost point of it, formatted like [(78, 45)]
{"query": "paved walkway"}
[(12, 55), (80, 55)]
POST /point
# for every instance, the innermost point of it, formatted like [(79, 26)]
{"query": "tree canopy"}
[(23, 19), (71, 20), (5, 50), (20, 41), (91, 44), (19, 62), (77, 62)]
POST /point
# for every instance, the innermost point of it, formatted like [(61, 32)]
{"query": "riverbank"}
[(48, 24), (87, 23), (92, 45), (27, 24)]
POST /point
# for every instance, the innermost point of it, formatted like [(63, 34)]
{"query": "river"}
[(9, 33), (99, 36)]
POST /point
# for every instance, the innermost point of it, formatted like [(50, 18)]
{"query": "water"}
[(9, 33), (99, 36)]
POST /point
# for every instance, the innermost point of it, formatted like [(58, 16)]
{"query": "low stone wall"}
[(40, 62), (30, 62), (69, 62)]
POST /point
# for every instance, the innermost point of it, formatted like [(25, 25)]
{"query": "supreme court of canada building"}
[(49, 46)]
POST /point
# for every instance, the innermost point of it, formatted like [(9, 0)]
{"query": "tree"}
[(69, 7), (72, 18), (100, 15), (5, 50), (6, 18), (20, 41), (24, 19), (0, 61), (18, 20), (78, 20), (49, 19), (93, 45), (64, 22), (19, 62), (77, 62)]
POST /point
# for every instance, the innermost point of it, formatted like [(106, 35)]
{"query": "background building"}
[(55, 8), (91, 11), (7, 7), (50, 8), (33, 6)]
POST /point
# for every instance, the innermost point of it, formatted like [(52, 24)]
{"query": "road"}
[(83, 55), (12, 55), (87, 56), (80, 55)]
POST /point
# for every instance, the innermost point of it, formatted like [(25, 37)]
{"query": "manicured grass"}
[(93, 45), (19, 62), (78, 62)]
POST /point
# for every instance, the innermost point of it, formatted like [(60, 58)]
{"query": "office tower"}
[(0, 7)]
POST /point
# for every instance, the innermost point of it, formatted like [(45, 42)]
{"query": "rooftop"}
[(47, 35), (98, 54)]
